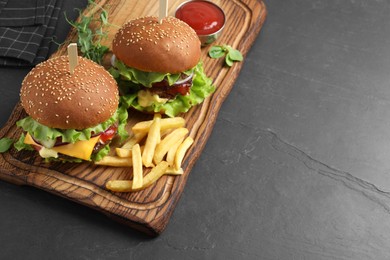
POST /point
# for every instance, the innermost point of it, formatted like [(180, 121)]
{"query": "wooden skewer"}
[(163, 10), (73, 57)]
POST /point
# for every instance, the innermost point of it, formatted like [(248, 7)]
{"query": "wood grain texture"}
[(148, 210)]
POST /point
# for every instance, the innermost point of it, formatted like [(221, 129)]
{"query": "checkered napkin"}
[(25, 39)]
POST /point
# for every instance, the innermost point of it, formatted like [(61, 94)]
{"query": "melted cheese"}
[(146, 99), (80, 149)]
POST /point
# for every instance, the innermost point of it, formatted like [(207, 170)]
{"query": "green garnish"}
[(5, 144), (89, 40), (130, 78), (20, 145), (142, 77), (43, 133), (231, 55), (102, 153)]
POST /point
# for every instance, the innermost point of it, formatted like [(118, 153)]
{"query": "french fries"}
[(137, 167), (172, 171), (115, 161), (155, 174), (172, 151), (120, 185), (135, 139), (127, 185), (165, 146), (125, 150), (166, 123), (181, 151), (151, 141)]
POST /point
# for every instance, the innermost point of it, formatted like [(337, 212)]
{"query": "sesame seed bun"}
[(171, 46), (57, 99)]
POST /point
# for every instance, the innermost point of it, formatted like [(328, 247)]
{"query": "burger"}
[(158, 66), (71, 117)]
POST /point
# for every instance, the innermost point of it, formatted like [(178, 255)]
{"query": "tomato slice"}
[(181, 86), (182, 89), (108, 134)]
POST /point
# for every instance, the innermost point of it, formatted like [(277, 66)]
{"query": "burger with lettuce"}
[(71, 117), (158, 66)]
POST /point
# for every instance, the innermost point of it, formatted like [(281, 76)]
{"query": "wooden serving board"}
[(148, 210)]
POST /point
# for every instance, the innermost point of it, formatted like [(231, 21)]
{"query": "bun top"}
[(171, 46), (57, 99)]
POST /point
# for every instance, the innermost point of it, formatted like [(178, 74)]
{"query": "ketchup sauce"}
[(108, 134), (203, 16)]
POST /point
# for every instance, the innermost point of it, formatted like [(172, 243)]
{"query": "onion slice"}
[(182, 81), (113, 59)]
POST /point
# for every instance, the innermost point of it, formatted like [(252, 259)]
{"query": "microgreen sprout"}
[(231, 55), (89, 39)]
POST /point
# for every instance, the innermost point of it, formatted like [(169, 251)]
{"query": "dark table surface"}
[(297, 167)]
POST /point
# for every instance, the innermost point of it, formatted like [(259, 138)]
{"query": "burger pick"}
[(157, 66), (71, 117)]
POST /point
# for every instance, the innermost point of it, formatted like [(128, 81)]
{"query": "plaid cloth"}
[(3, 3), (29, 45), (22, 13)]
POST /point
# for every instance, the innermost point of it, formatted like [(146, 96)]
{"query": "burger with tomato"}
[(71, 117), (158, 66)]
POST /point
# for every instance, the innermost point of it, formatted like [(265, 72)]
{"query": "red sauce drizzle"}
[(204, 17), (108, 134)]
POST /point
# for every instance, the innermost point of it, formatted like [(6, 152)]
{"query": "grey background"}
[(297, 166)]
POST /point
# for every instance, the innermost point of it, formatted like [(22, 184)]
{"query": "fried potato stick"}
[(115, 161), (169, 140), (137, 167), (127, 185), (151, 141), (181, 151), (166, 123)]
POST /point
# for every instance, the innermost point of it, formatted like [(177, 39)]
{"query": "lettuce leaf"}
[(122, 122), (20, 145), (202, 87), (43, 133), (102, 152), (5, 144), (142, 77)]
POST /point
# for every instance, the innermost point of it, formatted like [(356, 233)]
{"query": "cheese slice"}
[(145, 98), (80, 149)]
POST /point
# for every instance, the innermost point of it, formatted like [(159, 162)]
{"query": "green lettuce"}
[(5, 144), (20, 145), (122, 122), (43, 133), (130, 79), (142, 77), (102, 152)]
